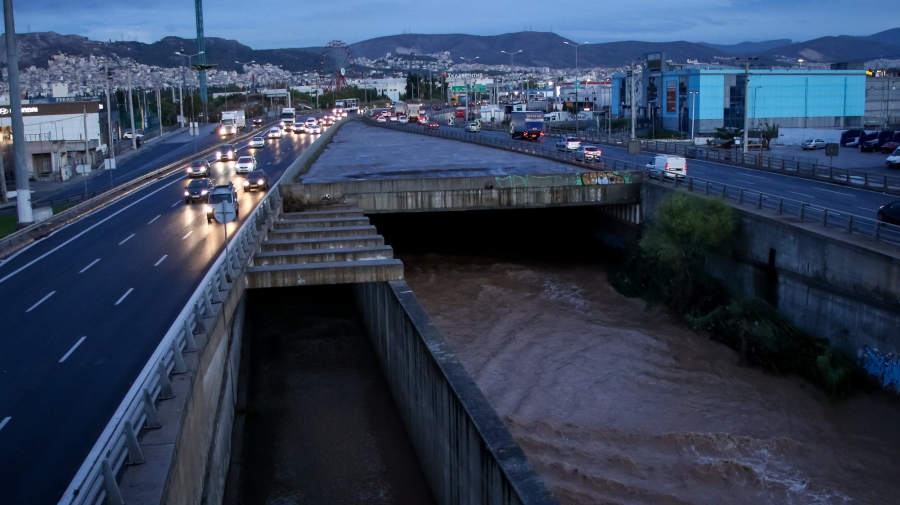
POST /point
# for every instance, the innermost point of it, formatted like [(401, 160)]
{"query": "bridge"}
[(139, 299)]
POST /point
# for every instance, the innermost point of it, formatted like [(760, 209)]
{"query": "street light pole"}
[(693, 111), (189, 56), (746, 97), (473, 87), (23, 192), (633, 112), (577, 82)]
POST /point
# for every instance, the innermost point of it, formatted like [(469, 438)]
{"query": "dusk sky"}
[(263, 25)]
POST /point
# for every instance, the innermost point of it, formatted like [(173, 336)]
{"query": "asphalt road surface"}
[(84, 310)]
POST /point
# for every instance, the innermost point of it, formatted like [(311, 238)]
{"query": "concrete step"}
[(321, 223), (310, 274), (323, 255), (308, 244), (321, 214), (335, 231)]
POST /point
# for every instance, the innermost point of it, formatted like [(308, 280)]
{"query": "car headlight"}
[(218, 154), (189, 170), (209, 208), (187, 193), (246, 182), (203, 192), (259, 181)]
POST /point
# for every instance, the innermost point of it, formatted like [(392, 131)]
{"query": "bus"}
[(349, 105)]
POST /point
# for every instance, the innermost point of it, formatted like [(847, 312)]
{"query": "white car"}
[(813, 144), (275, 132), (588, 153), (257, 142), (381, 119), (127, 135), (245, 164), (314, 129), (310, 121), (893, 161), (568, 144), (671, 166), (473, 127)]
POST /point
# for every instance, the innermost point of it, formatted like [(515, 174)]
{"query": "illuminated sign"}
[(670, 97), (5, 111)]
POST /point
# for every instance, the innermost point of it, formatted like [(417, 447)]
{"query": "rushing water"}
[(617, 404), (320, 426)]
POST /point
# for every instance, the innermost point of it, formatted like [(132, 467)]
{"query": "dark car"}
[(869, 146), (257, 121), (256, 179), (226, 152), (433, 125), (437, 107), (198, 190), (198, 168), (890, 213), (889, 147), (219, 194)]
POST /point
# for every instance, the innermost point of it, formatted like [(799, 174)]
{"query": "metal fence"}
[(95, 483)]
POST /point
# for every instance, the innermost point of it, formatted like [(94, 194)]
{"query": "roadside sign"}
[(634, 147), (224, 212), (831, 149), (480, 88), (458, 89), (195, 129), (577, 84)]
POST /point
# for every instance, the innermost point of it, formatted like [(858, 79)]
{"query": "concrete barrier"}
[(466, 452)]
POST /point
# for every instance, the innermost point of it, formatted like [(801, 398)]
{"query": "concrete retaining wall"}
[(831, 285), (465, 450)]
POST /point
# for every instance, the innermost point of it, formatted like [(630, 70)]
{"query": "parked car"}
[(889, 147), (127, 134), (433, 125), (198, 190), (671, 166), (227, 152), (870, 146), (245, 164), (256, 179), (275, 132), (588, 153), (893, 161), (256, 142), (890, 213), (813, 144), (568, 144), (473, 127), (198, 168), (219, 194)]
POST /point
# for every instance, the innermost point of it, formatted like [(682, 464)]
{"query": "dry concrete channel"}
[(348, 392)]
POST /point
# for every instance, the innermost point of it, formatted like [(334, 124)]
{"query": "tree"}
[(768, 133)]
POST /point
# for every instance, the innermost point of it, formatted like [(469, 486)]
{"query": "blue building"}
[(714, 97)]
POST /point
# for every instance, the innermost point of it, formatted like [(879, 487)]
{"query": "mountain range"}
[(538, 49)]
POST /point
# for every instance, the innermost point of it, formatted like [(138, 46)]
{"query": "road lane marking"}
[(801, 194), (745, 182), (176, 203), (98, 223), (867, 209), (161, 260), (80, 340), (836, 192), (89, 266), (154, 219), (188, 235), (3, 422), (126, 239), (125, 295), (754, 176), (42, 300)]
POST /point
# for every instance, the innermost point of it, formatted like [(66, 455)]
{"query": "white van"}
[(672, 166)]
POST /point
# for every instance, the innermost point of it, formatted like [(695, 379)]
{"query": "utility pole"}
[(23, 190), (131, 113), (111, 150), (633, 112), (87, 164), (746, 100), (181, 89), (693, 111), (159, 109)]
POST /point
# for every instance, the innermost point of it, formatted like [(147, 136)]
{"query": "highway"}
[(85, 307)]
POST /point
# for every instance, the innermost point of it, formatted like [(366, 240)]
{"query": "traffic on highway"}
[(87, 305)]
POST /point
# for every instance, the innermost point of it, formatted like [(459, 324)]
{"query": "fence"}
[(95, 483)]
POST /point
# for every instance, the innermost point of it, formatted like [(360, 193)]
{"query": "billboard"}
[(653, 61), (671, 105)]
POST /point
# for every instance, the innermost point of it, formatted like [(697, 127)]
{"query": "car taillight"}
[(667, 166), (685, 166)]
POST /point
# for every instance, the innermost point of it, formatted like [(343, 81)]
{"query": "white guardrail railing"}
[(95, 482)]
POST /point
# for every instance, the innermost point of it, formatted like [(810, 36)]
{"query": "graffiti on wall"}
[(603, 178), (527, 181), (883, 366)]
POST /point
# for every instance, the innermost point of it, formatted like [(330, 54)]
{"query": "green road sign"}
[(480, 88), (458, 89), (577, 84)]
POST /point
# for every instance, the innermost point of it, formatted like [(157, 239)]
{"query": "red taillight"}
[(685, 166), (667, 166)]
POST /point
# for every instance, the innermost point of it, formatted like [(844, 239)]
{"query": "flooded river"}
[(615, 404)]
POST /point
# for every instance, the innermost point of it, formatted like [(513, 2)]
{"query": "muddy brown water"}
[(617, 404)]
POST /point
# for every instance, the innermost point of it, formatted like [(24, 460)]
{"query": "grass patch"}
[(59, 208), (8, 224)]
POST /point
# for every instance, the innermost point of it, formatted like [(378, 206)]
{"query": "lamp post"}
[(226, 82), (473, 87), (181, 91), (693, 94), (512, 68), (746, 62), (577, 81)]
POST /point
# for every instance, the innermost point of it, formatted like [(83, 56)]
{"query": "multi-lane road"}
[(83, 310)]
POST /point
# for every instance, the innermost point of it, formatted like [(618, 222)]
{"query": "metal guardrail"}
[(827, 218), (95, 482), (795, 167), (25, 236)]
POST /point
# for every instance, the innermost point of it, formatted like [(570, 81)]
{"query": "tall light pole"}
[(188, 56), (633, 110), (131, 113), (512, 69), (23, 191), (473, 89), (577, 80), (226, 81), (746, 62), (693, 94)]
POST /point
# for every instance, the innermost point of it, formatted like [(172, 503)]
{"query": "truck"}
[(232, 122), (526, 124), (413, 110), (559, 116), (399, 108), (288, 118)]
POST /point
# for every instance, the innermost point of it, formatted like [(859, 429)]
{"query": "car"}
[(422, 120), (257, 142), (392, 118), (275, 132), (473, 127), (328, 120), (436, 107), (314, 129), (227, 152), (127, 134), (588, 153), (568, 144), (893, 161), (198, 168), (219, 194), (869, 146), (812, 144), (256, 179), (245, 164), (402, 118), (301, 128), (198, 190), (310, 121), (671, 166), (257, 121), (433, 125), (889, 147), (889, 213), (381, 119)]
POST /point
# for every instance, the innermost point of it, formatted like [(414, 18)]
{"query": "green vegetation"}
[(8, 224), (669, 268)]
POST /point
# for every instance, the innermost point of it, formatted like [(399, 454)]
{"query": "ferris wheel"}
[(336, 63)]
